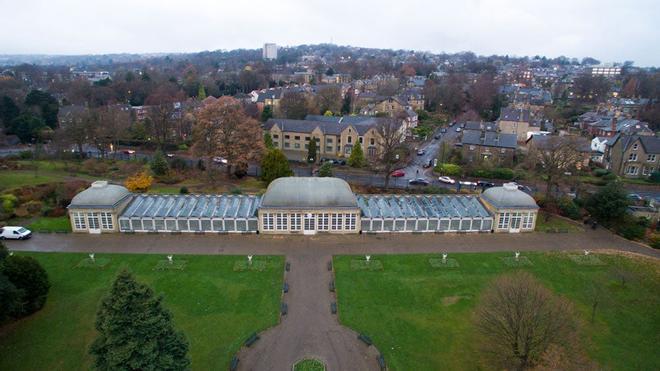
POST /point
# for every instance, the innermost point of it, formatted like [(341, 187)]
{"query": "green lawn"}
[(309, 365), (19, 178), (216, 307), (555, 223), (419, 317), (56, 224)]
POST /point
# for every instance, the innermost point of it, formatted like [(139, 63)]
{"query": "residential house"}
[(499, 148), (389, 106), (517, 121), (633, 156), (598, 148), (335, 136)]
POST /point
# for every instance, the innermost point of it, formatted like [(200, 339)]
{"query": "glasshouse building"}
[(190, 213), (424, 214), (299, 205)]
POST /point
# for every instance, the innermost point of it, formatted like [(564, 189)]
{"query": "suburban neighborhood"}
[(178, 196)]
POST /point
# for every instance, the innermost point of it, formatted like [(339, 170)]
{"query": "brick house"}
[(478, 145), (633, 156)]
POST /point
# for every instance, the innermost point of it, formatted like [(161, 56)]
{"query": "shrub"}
[(178, 163), (448, 169), (95, 167), (27, 275), (632, 228), (159, 165), (183, 190), (655, 177), (274, 165), (183, 147), (9, 202), (140, 182), (568, 208), (654, 240), (502, 173), (356, 159), (325, 170), (609, 177), (601, 172)]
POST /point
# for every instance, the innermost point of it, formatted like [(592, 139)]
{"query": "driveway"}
[(325, 245)]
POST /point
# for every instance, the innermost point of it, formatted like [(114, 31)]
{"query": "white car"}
[(446, 179), (467, 183), (220, 160), (15, 233)]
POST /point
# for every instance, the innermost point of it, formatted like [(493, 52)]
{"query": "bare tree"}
[(553, 157), (223, 129), (329, 99), (162, 112), (112, 124), (294, 105), (390, 138), (519, 319)]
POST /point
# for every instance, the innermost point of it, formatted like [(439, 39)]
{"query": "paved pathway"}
[(309, 330), (325, 245)]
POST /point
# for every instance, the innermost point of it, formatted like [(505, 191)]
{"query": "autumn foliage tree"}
[(223, 129), (140, 182)]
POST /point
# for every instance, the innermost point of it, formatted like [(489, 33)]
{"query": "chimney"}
[(614, 120)]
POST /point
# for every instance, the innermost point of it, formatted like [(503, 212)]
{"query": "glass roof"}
[(427, 206), (192, 206)]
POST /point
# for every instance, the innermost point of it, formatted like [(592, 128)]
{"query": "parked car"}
[(467, 183), (398, 173), (419, 181), (220, 160), (437, 136), (443, 130), (458, 130), (170, 155), (447, 180), (15, 233), (485, 184), (340, 162), (129, 152), (635, 197), (420, 152)]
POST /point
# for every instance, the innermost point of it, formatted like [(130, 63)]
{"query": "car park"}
[(447, 180), (485, 184), (398, 173), (15, 233), (419, 181)]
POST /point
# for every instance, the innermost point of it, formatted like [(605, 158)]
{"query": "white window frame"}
[(504, 220), (79, 220), (106, 221), (281, 222), (323, 221), (93, 220), (336, 222), (296, 221), (528, 221), (350, 221), (632, 157), (650, 158), (268, 222)]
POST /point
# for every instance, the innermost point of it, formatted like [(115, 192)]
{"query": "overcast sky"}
[(611, 31)]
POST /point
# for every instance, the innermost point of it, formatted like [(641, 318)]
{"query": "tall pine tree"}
[(136, 331), (356, 159), (311, 150)]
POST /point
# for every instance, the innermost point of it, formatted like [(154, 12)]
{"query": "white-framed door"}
[(309, 224), (94, 223), (516, 221)]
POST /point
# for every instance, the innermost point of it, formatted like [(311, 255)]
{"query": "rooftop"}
[(100, 194), (508, 197), (308, 192)]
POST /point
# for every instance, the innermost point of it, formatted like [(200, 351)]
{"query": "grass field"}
[(420, 317), (555, 223), (216, 308), (55, 224), (19, 178)]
